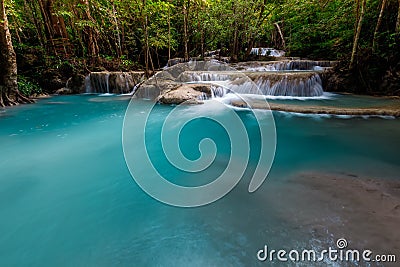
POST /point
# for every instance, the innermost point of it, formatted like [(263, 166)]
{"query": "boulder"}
[(51, 80), (115, 82), (186, 93), (63, 91), (76, 83)]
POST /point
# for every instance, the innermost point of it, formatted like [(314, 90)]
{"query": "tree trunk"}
[(185, 29), (357, 11), (200, 28), (90, 34), (146, 49), (398, 20), (169, 33), (281, 35), (235, 41), (117, 31), (378, 24), (357, 35), (56, 32), (258, 25), (31, 7), (9, 94)]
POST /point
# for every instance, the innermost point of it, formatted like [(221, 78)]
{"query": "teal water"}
[(68, 199), (332, 100)]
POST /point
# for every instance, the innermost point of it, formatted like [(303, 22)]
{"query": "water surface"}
[(68, 199)]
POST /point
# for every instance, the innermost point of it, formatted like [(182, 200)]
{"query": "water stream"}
[(67, 197)]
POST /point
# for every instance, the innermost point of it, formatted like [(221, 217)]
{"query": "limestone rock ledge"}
[(185, 93)]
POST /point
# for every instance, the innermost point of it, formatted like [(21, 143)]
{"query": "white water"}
[(288, 85), (262, 51), (111, 82)]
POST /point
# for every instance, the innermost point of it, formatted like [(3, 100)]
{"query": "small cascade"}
[(299, 84), (309, 85), (112, 82), (263, 51), (203, 96), (218, 91), (287, 78), (206, 76), (285, 65), (300, 65)]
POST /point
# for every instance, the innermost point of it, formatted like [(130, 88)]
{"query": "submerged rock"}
[(388, 110)]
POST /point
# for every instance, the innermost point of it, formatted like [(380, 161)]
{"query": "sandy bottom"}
[(364, 211)]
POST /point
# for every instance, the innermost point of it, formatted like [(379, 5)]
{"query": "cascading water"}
[(287, 78), (296, 84), (112, 82), (200, 76), (285, 65), (299, 84), (216, 91), (262, 51)]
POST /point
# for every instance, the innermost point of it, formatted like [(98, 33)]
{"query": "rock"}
[(51, 80), (152, 90), (115, 82), (63, 91), (185, 93), (391, 82), (174, 61), (40, 95), (76, 83), (388, 110), (170, 79)]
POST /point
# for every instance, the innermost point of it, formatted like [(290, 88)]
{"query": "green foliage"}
[(28, 87), (124, 28)]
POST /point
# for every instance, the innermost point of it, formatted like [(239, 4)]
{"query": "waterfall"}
[(285, 65), (285, 85), (300, 84), (200, 76), (112, 82), (216, 91), (290, 77), (262, 51), (88, 84)]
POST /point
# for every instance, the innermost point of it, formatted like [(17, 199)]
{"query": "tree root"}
[(23, 99), (5, 100), (1, 101)]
